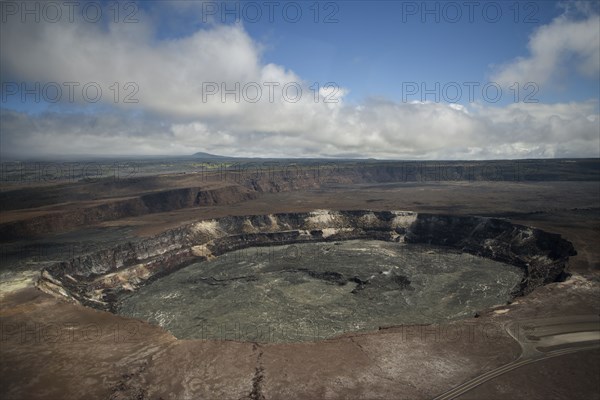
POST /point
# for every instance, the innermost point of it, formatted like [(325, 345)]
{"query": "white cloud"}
[(552, 46), (378, 129), (173, 118)]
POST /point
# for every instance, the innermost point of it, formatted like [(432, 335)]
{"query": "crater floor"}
[(313, 291)]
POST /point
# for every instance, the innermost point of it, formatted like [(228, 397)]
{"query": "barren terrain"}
[(55, 349)]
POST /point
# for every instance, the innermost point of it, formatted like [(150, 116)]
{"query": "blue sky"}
[(373, 47), (373, 51)]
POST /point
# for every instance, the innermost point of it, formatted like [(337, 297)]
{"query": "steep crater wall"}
[(110, 210), (99, 279)]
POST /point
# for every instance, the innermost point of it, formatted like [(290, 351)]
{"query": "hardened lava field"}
[(312, 291)]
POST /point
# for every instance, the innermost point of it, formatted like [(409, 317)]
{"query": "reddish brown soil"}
[(101, 355)]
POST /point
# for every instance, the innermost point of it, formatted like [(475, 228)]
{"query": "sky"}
[(345, 79)]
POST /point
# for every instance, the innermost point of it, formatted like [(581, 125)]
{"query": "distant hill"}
[(208, 155)]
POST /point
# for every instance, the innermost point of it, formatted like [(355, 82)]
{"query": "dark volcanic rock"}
[(402, 281), (100, 278), (542, 255), (328, 276)]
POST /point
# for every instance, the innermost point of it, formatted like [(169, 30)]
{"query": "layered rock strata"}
[(99, 279)]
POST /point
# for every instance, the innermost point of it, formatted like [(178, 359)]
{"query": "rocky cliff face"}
[(155, 202), (100, 278), (541, 254), (112, 199)]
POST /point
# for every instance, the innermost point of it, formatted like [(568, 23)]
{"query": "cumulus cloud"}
[(376, 129), (574, 36), (168, 73), (175, 115)]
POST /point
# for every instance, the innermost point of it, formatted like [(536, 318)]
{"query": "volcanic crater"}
[(309, 276)]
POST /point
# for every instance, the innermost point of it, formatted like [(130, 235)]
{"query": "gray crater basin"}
[(314, 291)]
